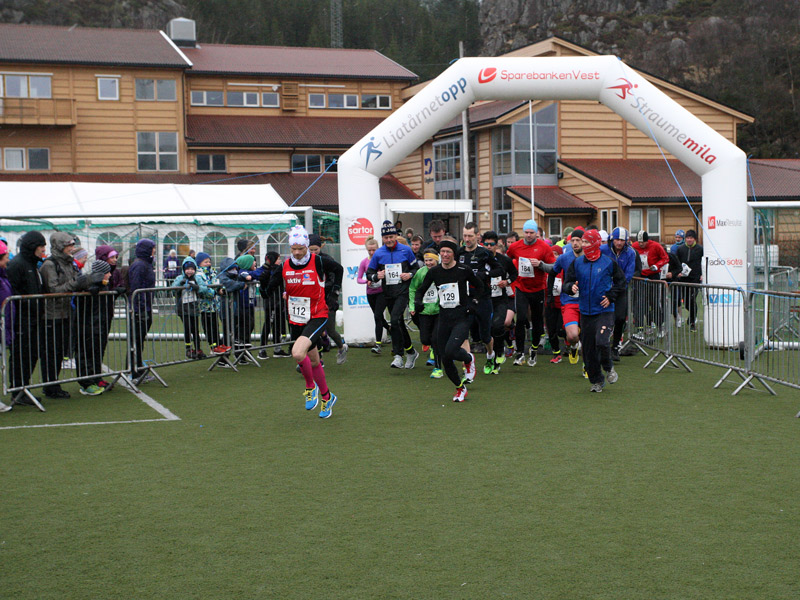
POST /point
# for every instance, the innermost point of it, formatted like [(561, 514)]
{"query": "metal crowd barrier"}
[(776, 337), (63, 338)]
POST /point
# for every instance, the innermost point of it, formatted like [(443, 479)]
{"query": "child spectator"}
[(193, 286), (92, 334), (209, 307)]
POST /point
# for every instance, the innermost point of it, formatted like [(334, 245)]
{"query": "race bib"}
[(685, 269), (393, 272), (557, 286), (496, 289), (448, 295), (525, 267), (645, 264), (188, 296), (430, 296), (299, 309), (664, 271)]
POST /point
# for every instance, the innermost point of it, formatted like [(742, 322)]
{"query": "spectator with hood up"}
[(25, 279), (8, 313), (141, 275)]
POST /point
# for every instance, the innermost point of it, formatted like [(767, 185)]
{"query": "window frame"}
[(244, 94), (116, 89), (345, 98), (158, 153), (5, 159), (379, 98), (205, 97), (277, 100), (156, 96), (550, 222), (211, 168), (305, 162), (28, 157), (320, 95)]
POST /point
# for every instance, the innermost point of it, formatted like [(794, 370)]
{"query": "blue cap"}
[(530, 224), (680, 233)]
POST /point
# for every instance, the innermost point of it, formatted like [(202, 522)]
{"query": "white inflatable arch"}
[(606, 79)]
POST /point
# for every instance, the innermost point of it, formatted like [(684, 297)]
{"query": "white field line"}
[(156, 406)]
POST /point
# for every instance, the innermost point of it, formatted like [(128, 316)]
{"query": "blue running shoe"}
[(312, 397), (437, 374), (327, 406)]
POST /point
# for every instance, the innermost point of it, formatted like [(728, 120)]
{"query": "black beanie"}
[(691, 233), (388, 228), (101, 266)]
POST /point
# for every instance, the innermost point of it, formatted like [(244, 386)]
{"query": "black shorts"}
[(313, 330)]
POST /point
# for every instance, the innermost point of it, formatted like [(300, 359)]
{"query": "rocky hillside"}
[(743, 53), (92, 13)]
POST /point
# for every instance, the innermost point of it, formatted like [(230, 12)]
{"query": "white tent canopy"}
[(78, 200)]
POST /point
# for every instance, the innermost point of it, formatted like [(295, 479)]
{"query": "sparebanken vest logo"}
[(487, 75), (624, 88)]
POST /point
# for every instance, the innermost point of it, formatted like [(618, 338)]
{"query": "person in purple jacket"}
[(374, 295), (8, 311), (141, 275), (172, 268)]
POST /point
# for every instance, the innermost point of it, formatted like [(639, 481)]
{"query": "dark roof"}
[(87, 45), (288, 132), (324, 194), (652, 180), (552, 199), (483, 114), (338, 63)]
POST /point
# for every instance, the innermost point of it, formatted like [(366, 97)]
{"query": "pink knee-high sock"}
[(308, 375), (319, 377)]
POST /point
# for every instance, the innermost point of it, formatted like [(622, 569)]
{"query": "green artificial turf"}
[(660, 487)]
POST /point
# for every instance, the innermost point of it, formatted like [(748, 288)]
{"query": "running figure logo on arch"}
[(624, 88), (486, 75), (360, 231)]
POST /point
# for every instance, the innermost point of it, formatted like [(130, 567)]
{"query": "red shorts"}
[(571, 314)]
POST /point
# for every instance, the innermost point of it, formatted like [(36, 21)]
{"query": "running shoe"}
[(431, 362), (341, 356), (585, 374), (91, 390), (461, 393), (573, 355), (499, 359), (532, 357), (496, 370), (281, 353), (425, 348), (469, 370), (613, 376), (327, 406), (437, 374), (519, 359), (615, 355), (557, 358), (376, 349), (508, 352), (103, 384), (597, 387), (5, 407), (397, 363), (221, 349), (190, 353), (411, 359), (262, 355), (198, 354), (693, 328), (489, 366), (312, 397)]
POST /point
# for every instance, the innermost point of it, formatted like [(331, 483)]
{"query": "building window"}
[(554, 226), (252, 242), (342, 101), (608, 219), (14, 159), (157, 151), (109, 238), (38, 159), (447, 169), (279, 242), (107, 88), (316, 100), (270, 100), (215, 244), (653, 224), (330, 165), (376, 101), (206, 98), (26, 86), (211, 163), (501, 151), (242, 98), (163, 90), (306, 163)]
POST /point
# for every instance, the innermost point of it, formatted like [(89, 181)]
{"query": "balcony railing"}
[(38, 111)]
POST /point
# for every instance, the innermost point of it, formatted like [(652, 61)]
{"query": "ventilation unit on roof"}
[(183, 32)]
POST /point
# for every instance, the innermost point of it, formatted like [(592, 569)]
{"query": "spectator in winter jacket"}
[(232, 285), (25, 279), (680, 237), (209, 307), (92, 331), (690, 254), (274, 315), (193, 287), (141, 275), (6, 313), (60, 276), (171, 267)]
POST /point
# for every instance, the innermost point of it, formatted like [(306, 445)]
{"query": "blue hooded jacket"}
[(626, 259), (142, 275)]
